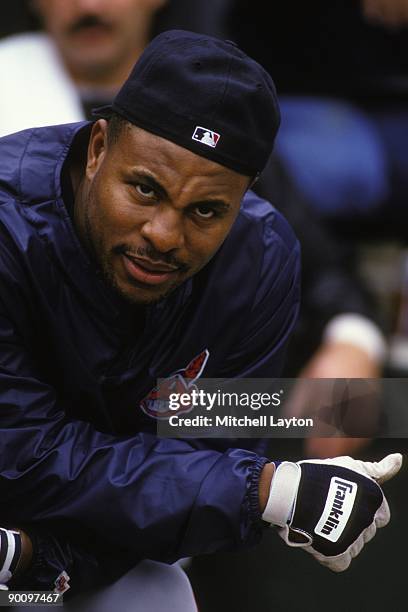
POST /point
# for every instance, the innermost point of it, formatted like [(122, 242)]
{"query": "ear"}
[(96, 148)]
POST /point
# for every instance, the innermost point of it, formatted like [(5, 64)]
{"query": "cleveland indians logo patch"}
[(155, 403)]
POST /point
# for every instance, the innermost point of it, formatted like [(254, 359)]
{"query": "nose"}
[(164, 230)]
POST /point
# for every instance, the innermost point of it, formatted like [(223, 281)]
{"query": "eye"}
[(145, 190), (205, 211)]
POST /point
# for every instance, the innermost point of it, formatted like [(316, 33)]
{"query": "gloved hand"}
[(330, 507)]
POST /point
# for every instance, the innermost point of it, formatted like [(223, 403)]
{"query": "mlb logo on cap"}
[(207, 137)]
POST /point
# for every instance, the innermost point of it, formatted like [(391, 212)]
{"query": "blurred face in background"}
[(98, 38)]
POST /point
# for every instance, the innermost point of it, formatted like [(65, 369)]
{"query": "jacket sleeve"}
[(166, 497)]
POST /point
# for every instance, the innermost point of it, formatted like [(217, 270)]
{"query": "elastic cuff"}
[(253, 493)]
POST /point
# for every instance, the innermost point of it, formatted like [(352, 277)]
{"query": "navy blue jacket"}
[(78, 450)]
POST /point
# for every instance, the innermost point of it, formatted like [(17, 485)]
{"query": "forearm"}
[(86, 568), (265, 480), (26, 553), (68, 560)]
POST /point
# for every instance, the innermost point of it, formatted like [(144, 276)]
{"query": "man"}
[(133, 250), (84, 54)]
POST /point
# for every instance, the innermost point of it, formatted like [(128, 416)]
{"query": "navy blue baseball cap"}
[(205, 94)]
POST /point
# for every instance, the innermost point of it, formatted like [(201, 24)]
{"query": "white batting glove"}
[(330, 507)]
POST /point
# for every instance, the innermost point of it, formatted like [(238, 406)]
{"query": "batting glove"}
[(330, 507)]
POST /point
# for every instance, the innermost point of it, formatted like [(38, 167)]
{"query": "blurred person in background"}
[(78, 62), (340, 333)]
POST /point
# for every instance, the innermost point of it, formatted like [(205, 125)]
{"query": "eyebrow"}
[(146, 178)]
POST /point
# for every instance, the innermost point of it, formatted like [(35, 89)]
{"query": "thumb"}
[(383, 470)]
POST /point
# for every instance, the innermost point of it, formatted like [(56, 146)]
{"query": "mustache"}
[(88, 21), (152, 254)]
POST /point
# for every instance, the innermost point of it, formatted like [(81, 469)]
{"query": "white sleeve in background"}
[(356, 329), (35, 87)]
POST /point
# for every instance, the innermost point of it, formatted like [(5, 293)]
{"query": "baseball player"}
[(132, 249)]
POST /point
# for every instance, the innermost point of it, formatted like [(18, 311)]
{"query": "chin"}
[(136, 293)]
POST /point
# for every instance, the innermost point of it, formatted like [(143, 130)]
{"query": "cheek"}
[(116, 218), (135, 8), (59, 15), (204, 245)]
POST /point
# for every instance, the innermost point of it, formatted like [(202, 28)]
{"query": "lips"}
[(148, 272)]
